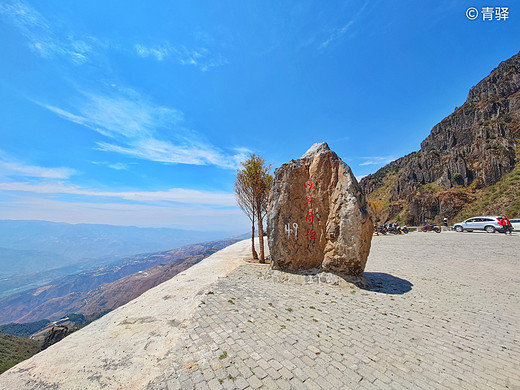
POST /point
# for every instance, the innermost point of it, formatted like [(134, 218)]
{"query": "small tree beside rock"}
[(252, 187)]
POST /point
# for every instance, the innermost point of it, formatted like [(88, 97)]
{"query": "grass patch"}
[(14, 349)]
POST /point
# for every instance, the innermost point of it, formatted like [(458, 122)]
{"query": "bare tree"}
[(256, 177), (244, 196)]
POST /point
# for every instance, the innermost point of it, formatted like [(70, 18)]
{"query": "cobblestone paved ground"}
[(444, 313)]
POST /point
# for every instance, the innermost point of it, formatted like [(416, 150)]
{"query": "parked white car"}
[(515, 223), (487, 223)]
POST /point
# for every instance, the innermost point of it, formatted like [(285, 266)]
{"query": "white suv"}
[(515, 222), (487, 223)]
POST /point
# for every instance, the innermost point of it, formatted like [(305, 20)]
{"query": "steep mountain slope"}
[(103, 288), (467, 153)]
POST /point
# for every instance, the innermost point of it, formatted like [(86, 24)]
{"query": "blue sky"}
[(138, 113)]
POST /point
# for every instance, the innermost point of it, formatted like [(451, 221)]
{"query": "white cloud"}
[(23, 15), (167, 152), (118, 166), (336, 34), (49, 42), (176, 195), (119, 116), (42, 38), (12, 167), (143, 130), (159, 52), (187, 217), (199, 57), (381, 160)]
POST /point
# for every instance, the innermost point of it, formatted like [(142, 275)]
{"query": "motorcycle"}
[(390, 228), (394, 229), (382, 229), (431, 228), (403, 229)]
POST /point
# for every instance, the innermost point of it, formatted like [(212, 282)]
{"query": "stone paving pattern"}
[(443, 314)]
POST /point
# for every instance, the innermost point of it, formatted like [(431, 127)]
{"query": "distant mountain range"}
[(468, 165), (103, 288), (34, 252)]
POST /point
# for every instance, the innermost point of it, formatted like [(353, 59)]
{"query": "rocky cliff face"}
[(473, 147)]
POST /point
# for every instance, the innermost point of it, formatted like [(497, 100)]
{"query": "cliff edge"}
[(129, 347)]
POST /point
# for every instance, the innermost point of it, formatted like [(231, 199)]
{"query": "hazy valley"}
[(103, 288), (34, 253)]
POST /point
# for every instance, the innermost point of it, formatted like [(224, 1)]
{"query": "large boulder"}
[(318, 216)]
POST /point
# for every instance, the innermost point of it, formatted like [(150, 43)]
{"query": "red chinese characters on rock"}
[(310, 201), (309, 218), (311, 234)]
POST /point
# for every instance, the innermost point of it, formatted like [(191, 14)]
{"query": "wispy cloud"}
[(23, 15), (117, 166), (138, 128), (200, 58), (377, 160), (159, 52), (191, 217), (176, 195), (13, 168), (119, 116), (49, 42), (41, 35), (336, 34)]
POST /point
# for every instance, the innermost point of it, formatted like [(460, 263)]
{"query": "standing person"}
[(507, 226), (502, 223), (445, 220)]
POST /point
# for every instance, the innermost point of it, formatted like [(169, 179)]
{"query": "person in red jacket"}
[(502, 223), (506, 225)]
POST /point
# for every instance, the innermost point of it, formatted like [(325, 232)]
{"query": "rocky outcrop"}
[(57, 333), (318, 215), (475, 145)]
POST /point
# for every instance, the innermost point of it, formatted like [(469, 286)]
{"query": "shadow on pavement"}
[(387, 284)]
